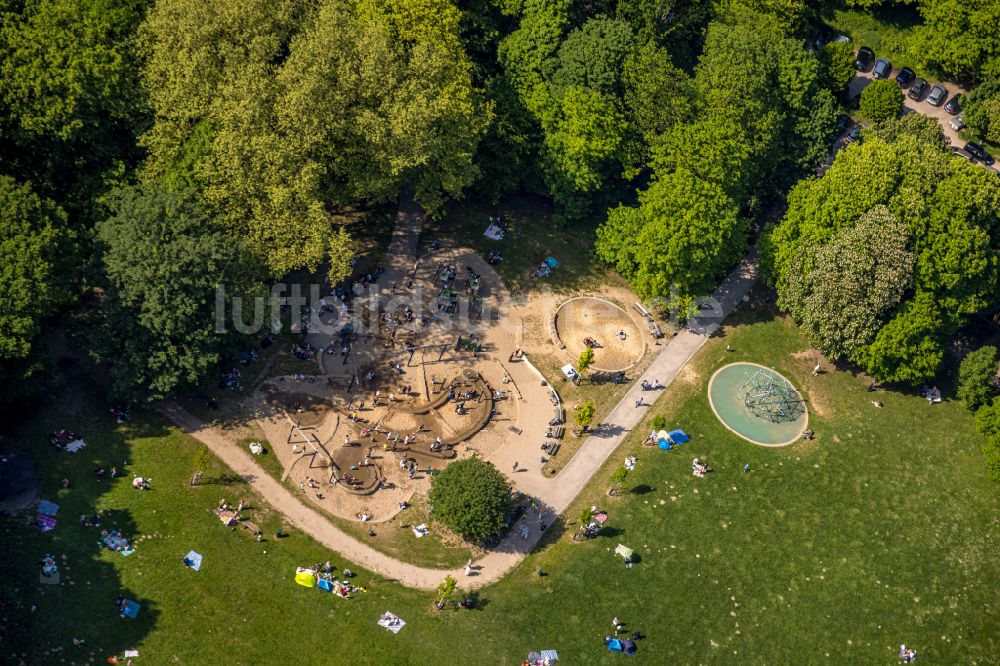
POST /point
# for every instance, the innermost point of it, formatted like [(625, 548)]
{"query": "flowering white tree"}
[(842, 292)]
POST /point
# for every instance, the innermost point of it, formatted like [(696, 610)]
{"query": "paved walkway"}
[(556, 492)]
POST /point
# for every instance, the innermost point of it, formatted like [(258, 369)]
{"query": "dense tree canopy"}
[(840, 292), (960, 36), (70, 102), (471, 497), (981, 109), (684, 233), (35, 261), (949, 210), (279, 113), (761, 116), (163, 260)]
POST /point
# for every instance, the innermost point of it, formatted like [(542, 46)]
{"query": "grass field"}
[(882, 530)]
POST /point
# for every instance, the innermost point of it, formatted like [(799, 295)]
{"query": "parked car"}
[(864, 59), (917, 89), (905, 77), (979, 152), (937, 95), (952, 106), (882, 68), (958, 152), (855, 135), (957, 123)]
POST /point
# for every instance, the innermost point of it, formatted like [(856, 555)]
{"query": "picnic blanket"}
[(51, 579), (193, 560), (391, 622), (47, 508), (115, 541), (75, 445), (256, 448), (624, 551), (494, 231), (421, 530), (45, 523)]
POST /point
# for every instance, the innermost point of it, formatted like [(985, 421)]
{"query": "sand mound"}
[(587, 317)]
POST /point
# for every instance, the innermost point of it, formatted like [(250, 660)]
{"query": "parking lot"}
[(862, 79)]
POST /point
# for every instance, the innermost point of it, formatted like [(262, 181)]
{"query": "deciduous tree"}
[(163, 260), (881, 100), (471, 497)]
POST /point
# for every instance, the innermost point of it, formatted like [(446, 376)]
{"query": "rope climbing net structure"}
[(769, 396)]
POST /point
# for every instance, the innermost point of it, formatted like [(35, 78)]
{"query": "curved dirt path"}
[(557, 493)]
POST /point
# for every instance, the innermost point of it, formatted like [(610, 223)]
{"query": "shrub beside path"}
[(556, 492)]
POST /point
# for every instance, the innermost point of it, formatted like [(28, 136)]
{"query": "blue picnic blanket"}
[(47, 508)]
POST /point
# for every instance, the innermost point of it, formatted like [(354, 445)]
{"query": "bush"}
[(586, 360), (988, 423), (988, 420), (977, 377), (881, 100), (660, 422), (471, 497), (981, 110)]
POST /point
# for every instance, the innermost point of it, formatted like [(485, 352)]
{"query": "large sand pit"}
[(587, 317)]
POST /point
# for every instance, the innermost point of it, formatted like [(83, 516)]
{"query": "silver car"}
[(957, 123), (937, 95)]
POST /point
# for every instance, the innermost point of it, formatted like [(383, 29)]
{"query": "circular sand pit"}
[(758, 404), (587, 317)]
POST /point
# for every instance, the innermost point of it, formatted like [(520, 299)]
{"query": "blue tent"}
[(325, 585), (665, 445), (678, 436), (551, 262)]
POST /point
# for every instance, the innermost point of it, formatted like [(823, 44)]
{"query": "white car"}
[(957, 123)]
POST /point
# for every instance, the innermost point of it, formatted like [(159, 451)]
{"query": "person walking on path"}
[(515, 466)]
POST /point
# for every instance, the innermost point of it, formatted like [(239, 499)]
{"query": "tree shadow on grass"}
[(38, 622)]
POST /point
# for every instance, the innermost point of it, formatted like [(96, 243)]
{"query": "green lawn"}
[(883, 530)]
